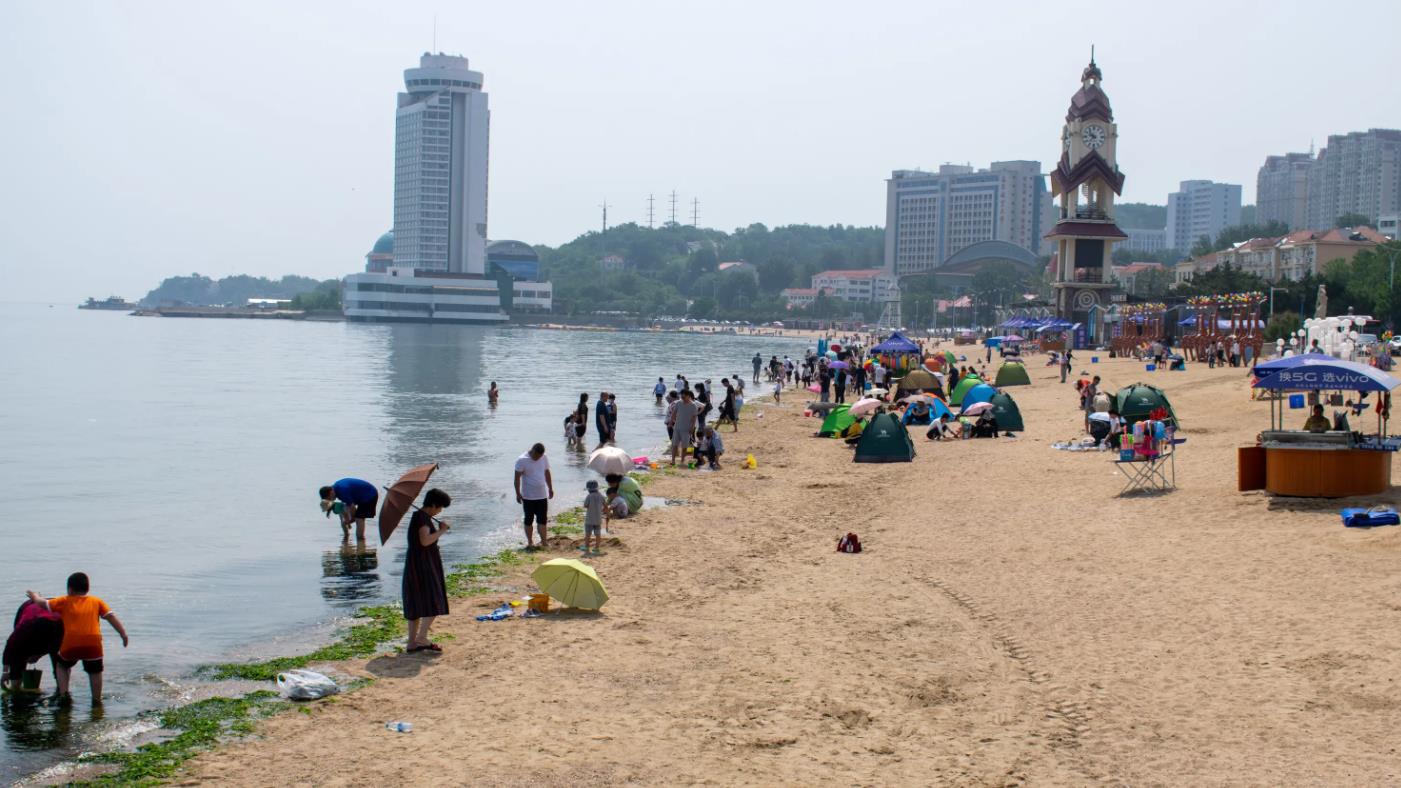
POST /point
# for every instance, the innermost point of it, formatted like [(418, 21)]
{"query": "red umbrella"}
[(401, 497)]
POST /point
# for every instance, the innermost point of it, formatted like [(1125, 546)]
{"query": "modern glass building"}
[(440, 168)]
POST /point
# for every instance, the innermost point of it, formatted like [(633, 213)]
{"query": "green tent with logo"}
[(964, 384), (1005, 410), (1136, 402), (1012, 373), (838, 419), (885, 439)]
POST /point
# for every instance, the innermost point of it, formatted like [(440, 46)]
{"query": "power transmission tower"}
[(673, 206), (604, 206), (695, 212), (649, 212)]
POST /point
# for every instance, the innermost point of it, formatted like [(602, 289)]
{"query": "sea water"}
[(177, 461)]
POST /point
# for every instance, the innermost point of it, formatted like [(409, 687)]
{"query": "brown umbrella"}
[(401, 497)]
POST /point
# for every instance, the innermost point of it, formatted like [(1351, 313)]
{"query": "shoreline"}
[(1011, 621)]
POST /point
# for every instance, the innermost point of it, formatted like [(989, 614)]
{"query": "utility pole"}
[(695, 212), (604, 206), (649, 212), (673, 206)]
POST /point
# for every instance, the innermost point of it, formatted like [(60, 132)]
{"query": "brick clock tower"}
[(1086, 180)]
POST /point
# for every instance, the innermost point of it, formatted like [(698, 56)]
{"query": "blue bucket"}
[(1296, 401), (1126, 455), (1152, 367), (1094, 359)]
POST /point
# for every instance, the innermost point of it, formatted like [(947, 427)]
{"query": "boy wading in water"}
[(82, 633)]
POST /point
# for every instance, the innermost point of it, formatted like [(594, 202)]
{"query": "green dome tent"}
[(837, 420), (1012, 373), (1005, 410), (964, 384), (1137, 401), (884, 440)]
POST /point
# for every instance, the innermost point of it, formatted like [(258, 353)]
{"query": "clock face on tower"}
[(1093, 137)]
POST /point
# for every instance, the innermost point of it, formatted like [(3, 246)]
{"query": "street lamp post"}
[(1272, 298)]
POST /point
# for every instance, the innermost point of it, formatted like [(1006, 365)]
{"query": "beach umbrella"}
[(839, 365), (976, 409), (1013, 338), (1101, 417), (864, 406), (610, 459), (400, 498), (572, 583), (814, 388)]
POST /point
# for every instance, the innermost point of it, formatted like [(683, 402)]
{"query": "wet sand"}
[(1011, 621)]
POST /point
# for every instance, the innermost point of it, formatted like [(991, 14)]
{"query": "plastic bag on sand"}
[(306, 685)]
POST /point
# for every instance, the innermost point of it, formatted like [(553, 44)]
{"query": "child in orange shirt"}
[(82, 633)]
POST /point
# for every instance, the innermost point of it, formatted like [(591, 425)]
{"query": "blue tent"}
[(979, 393), (896, 344), (1316, 371)]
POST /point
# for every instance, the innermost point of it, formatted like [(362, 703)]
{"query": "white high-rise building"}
[(440, 168), (1201, 208)]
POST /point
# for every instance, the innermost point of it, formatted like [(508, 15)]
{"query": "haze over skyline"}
[(147, 140)]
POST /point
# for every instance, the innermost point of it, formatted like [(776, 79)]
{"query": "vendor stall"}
[(897, 354), (1321, 462)]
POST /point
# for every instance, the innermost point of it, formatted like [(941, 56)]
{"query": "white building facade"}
[(408, 295), (929, 216), (1145, 240), (441, 132), (1201, 208), (864, 285), (1356, 173)]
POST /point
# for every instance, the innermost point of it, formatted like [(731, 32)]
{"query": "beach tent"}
[(1137, 401), (975, 394), (1012, 373), (918, 380), (884, 440), (1005, 410), (964, 384), (837, 420)]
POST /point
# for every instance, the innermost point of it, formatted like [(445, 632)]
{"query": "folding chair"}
[(1155, 474)]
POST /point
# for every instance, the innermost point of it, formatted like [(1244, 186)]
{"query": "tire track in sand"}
[(1066, 717)]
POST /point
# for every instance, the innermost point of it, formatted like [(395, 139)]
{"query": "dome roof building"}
[(381, 255)]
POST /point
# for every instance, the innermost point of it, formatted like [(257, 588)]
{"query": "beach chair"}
[(1151, 474)]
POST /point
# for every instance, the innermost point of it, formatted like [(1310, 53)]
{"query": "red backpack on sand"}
[(849, 544)]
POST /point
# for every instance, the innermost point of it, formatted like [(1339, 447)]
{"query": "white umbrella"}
[(864, 406), (878, 392), (610, 459), (1101, 417), (976, 409)]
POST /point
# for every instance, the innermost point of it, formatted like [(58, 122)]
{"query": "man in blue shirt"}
[(359, 498)]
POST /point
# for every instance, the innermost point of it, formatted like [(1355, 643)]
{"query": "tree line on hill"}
[(199, 290), (675, 269)]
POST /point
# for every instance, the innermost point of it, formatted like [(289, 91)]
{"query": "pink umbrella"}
[(814, 388), (976, 409), (1013, 338)]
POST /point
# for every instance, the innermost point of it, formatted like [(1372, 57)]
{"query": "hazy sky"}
[(141, 140)]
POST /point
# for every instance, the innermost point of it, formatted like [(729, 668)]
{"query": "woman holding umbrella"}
[(425, 589)]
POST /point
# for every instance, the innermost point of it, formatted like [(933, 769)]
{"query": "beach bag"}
[(306, 685), (849, 544)]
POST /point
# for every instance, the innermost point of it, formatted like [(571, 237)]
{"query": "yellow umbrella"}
[(572, 583)]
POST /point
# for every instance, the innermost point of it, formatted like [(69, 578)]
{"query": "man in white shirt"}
[(534, 489)]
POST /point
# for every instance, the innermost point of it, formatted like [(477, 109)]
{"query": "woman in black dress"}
[(425, 590)]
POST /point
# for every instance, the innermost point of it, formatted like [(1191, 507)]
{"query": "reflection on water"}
[(350, 574), (40, 722)]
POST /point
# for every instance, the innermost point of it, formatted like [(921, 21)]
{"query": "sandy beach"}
[(1011, 621)]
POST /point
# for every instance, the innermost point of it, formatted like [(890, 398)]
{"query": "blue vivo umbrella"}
[(1316, 371)]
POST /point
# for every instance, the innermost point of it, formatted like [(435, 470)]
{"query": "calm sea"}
[(176, 461)]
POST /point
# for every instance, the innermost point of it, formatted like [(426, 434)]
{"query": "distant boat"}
[(111, 302)]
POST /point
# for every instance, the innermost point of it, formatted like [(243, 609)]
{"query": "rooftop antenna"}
[(695, 212), (435, 32), (673, 206), (604, 206), (649, 212), (1092, 54)]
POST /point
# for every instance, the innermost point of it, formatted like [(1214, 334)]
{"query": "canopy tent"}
[(1317, 371), (975, 394), (897, 343), (1012, 373), (885, 439), (837, 420), (963, 387), (1005, 410), (1136, 402)]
